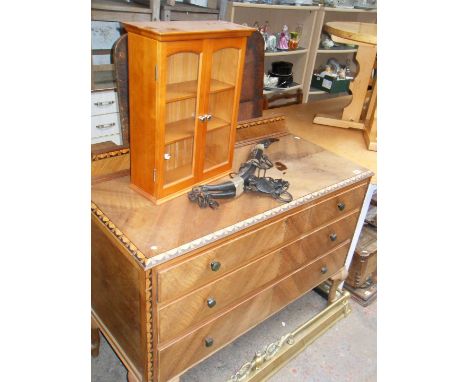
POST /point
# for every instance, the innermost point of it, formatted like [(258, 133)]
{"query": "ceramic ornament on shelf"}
[(283, 41)]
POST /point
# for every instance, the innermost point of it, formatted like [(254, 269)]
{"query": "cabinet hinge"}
[(154, 175), (156, 72)]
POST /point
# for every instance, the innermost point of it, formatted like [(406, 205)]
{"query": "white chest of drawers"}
[(105, 119)]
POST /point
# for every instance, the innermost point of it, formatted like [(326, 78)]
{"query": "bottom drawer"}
[(178, 356)]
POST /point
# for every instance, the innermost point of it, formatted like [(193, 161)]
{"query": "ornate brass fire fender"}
[(274, 356)]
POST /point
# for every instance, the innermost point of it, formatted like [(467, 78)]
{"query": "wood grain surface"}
[(176, 357), (115, 297), (194, 272), (356, 31), (180, 315), (188, 30), (129, 211)]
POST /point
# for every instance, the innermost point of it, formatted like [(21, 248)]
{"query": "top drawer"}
[(104, 102), (207, 266)]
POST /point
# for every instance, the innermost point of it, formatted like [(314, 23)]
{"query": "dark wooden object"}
[(251, 98)]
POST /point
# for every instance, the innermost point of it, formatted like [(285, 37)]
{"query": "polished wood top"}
[(162, 232), (188, 30), (355, 31)]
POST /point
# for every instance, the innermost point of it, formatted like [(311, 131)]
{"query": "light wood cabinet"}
[(184, 89)]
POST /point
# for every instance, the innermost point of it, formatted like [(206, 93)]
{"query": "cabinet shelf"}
[(286, 52), (271, 6), (338, 50), (281, 90), (184, 129), (188, 89), (343, 9)]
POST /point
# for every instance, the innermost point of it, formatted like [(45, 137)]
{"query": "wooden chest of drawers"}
[(172, 283)]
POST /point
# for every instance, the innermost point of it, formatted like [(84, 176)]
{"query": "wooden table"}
[(364, 35)]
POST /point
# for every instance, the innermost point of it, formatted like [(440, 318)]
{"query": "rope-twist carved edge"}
[(149, 323), (110, 154), (214, 236), (132, 248), (260, 122)]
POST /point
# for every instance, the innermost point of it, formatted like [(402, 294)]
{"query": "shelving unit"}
[(277, 16), (319, 56), (309, 56)]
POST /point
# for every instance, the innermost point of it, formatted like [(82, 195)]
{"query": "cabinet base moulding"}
[(178, 193)]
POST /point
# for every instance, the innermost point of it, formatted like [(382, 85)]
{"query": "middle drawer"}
[(180, 315)]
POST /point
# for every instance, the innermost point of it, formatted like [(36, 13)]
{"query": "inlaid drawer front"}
[(178, 356), (210, 265), (104, 125), (104, 102), (330, 209), (178, 316), (200, 270)]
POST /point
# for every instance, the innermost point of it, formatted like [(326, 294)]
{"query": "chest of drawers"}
[(172, 283), (105, 120)]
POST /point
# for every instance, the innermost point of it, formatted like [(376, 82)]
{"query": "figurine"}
[(342, 74), (283, 39), (327, 71), (271, 43), (264, 30), (326, 42)]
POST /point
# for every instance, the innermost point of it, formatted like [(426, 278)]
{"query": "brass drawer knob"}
[(333, 236), (211, 302), (209, 342), (324, 270), (215, 265), (341, 206)]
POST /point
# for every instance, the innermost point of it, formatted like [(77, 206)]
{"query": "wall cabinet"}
[(184, 82)]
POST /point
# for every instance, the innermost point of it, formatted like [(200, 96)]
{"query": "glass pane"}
[(181, 97), (220, 106)]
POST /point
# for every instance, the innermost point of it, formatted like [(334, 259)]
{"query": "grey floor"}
[(345, 353)]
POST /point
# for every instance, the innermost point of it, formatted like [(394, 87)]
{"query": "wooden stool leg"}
[(336, 280), (95, 339)]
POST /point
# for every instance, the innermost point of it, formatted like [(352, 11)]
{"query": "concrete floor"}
[(348, 351), (345, 353)]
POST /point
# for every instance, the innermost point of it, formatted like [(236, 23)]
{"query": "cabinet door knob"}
[(324, 270), (209, 342), (341, 206), (333, 236), (215, 265), (202, 118), (211, 302), (208, 116)]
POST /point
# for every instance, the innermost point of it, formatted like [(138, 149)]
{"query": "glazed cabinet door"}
[(180, 101), (224, 74)]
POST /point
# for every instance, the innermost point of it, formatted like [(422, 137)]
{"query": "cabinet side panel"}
[(142, 102), (115, 294)]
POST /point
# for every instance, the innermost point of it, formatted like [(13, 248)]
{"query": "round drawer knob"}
[(333, 236), (211, 302), (341, 206), (324, 270), (209, 342), (215, 265)]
